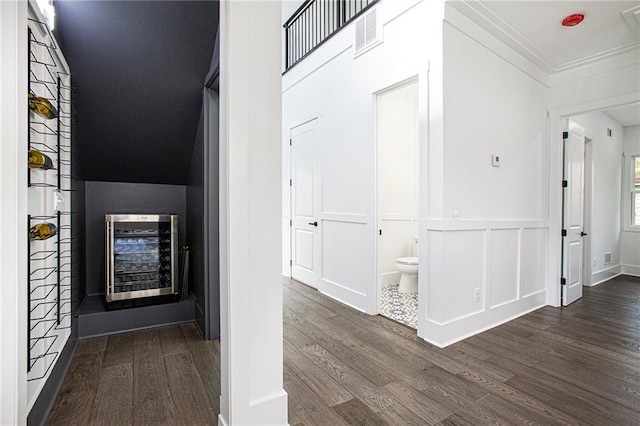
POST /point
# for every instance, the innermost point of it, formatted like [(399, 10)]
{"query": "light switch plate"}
[(495, 160)]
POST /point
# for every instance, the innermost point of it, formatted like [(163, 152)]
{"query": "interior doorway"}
[(306, 224), (397, 136), (596, 244), (573, 213)]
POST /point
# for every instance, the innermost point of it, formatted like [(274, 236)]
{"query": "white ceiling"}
[(628, 115), (533, 28)]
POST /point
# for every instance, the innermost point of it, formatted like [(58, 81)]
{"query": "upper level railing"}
[(315, 22)]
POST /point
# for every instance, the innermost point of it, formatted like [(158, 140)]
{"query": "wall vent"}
[(367, 30), (607, 258)]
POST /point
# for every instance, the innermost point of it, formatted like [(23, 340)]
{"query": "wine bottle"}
[(42, 107), (38, 160), (42, 231)]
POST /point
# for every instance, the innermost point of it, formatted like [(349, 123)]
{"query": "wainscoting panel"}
[(534, 260), (347, 265), (481, 275), (504, 261), (463, 273)]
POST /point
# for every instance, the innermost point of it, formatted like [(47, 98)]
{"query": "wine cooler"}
[(142, 256)]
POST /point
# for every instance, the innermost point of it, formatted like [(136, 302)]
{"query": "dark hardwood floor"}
[(161, 376), (575, 365)]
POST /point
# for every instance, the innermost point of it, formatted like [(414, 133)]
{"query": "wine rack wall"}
[(51, 260)]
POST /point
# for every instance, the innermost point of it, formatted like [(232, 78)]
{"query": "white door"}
[(305, 204), (572, 242)]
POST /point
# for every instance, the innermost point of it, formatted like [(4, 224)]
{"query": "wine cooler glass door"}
[(142, 259)]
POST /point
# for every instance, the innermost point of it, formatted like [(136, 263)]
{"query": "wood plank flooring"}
[(161, 376), (576, 365)]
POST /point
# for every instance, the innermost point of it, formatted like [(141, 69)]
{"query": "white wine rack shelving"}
[(51, 268)]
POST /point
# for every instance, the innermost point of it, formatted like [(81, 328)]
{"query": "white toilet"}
[(408, 267)]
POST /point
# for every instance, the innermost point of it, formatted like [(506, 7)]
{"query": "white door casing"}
[(397, 177), (588, 204), (305, 204), (573, 217)]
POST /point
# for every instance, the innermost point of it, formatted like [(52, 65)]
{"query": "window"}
[(635, 191)]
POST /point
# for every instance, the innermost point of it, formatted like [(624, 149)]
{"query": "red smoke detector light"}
[(572, 20)]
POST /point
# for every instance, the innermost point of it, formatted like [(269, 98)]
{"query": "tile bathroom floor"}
[(399, 307)]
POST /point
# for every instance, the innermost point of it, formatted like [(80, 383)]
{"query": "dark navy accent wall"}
[(195, 226), (120, 198), (138, 68)]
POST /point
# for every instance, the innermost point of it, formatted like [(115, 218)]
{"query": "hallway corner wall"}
[(487, 250)]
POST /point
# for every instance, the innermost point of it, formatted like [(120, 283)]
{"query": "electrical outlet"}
[(594, 263), (476, 295)]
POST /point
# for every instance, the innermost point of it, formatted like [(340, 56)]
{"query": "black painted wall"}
[(138, 69), (78, 260), (195, 226), (120, 198), (212, 196)]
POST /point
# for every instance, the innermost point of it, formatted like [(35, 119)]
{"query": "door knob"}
[(313, 223), (583, 234)]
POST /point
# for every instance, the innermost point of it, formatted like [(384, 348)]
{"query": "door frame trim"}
[(556, 120), (377, 287), (587, 208)]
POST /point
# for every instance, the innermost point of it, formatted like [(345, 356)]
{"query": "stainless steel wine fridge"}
[(142, 256)]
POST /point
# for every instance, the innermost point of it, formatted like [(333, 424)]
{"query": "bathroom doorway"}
[(397, 135)]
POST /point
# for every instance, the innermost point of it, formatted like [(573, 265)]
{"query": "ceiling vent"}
[(367, 30)]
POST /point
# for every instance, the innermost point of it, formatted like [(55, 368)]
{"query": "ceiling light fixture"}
[(572, 20)]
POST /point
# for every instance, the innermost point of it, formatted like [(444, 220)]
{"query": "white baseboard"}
[(389, 278), (222, 421), (605, 275), (271, 410), (443, 335), (286, 270), (633, 270)]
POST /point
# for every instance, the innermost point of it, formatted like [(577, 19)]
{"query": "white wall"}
[(486, 263), (491, 108), (397, 134), (288, 8), (338, 87), (630, 256), (604, 230), (250, 154)]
